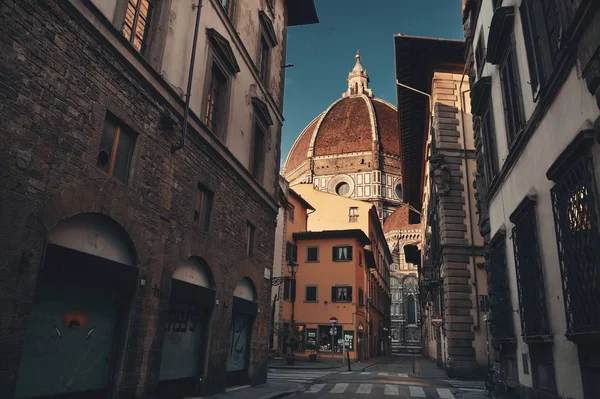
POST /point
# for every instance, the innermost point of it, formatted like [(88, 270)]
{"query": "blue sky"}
[(323, 54)]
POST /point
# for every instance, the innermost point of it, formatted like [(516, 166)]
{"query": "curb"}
[(373, 364)]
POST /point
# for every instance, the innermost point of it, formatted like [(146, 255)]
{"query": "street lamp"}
[(293, 269)]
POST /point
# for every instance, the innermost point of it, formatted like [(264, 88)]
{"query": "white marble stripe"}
[(383, 373), (403, 375), (366, 373), (444, 393), (391, 390), (417, 392), (364, 389), (339, 388), (346, 372), (315, 388)]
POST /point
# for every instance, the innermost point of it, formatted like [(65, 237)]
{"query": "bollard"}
[(348, 357)]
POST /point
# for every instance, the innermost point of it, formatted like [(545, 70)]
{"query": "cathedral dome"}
[(355, 123)]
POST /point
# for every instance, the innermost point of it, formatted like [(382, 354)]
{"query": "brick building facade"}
[(132, 221)]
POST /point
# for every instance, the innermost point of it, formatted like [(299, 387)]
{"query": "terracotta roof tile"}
[(398, 220), (346, 128), (298, 152), (387, 122)]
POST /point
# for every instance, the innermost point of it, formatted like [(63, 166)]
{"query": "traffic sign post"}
[(333, 320), (333, 331), (436, 320)]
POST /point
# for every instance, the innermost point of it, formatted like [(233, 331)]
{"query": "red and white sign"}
[(436, 320), (333, 320)]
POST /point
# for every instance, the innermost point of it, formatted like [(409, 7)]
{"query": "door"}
[(69, 342), (239, 340)]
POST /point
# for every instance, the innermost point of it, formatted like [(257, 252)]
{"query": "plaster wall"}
[(107, 7), (572, 106), (243, 33), (332, 210)]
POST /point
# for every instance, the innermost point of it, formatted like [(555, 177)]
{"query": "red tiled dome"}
[(347, 127)]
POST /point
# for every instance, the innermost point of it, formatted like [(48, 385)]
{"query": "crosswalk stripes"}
[(382, 374), (340, 387), (467, 385), (403, 375), (365, 373), (298, 376), (364, 389), (378, 390), (444, 393), (391, 389), (316, 388), (417, 392), (346, 372)]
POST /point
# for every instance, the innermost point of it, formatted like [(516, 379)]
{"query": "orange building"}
[(331, 282)]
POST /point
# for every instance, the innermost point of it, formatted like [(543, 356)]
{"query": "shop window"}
[(116, 149)]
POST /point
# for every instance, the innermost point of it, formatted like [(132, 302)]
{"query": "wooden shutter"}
[(333, 294), (349, 294)]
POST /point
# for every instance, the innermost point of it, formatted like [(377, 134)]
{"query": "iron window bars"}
[(501, 323), (530, 277), (575, 208)]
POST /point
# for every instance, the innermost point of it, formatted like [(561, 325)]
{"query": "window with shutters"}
[(312, 254), (341, 294), (361, 297), (203, 207), (480, 54), (137, 23), (342, 253), (544, 23), (116, 148), (311, 293), (488, 133), (291, 252), (289, 289), (291, 212), (250, 230), (511, 94), (353, 214)]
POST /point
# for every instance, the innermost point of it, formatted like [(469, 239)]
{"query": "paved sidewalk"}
[(268, 390)]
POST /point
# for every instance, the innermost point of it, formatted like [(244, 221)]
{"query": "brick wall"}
[(57, 80)]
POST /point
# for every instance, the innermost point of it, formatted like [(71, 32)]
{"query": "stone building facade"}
[(351, 148), (405, 310), (534, 70), (111, 224), (437, 173)]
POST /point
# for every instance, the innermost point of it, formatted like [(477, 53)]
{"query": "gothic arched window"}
[(411, 314)]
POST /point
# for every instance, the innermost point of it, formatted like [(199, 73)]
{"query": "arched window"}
[(411, 314)]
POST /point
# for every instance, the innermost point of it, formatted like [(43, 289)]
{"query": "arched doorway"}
[(243, 314), (191, 302), (84, 287)]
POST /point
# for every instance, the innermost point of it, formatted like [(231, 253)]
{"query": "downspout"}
[(189, 82), (462, 116)]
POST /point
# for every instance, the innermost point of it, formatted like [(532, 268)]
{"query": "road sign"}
[(436, 320), (333, 331), (333, 320)]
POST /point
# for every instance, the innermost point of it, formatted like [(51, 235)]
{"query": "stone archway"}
[(86, 281)]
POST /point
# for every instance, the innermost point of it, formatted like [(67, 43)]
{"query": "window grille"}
[(501, 323), (575, 207), (530, 277)]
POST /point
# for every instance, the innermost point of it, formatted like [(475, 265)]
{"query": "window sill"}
[(311, 261), (311, 301), (341, 301)]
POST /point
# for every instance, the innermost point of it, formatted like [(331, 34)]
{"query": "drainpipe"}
[(462, 116), (189, 83)]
